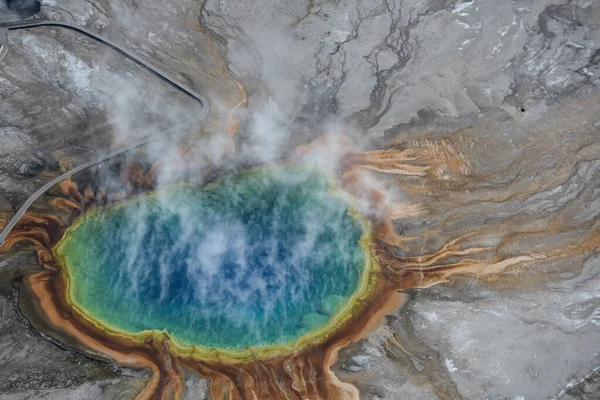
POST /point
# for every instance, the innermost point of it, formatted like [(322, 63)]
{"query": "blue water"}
[(259, 258)]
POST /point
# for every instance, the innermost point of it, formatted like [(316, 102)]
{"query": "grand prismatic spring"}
[(262, 258), (387, 200)]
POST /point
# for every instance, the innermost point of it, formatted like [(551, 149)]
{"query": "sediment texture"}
[(468, 130)]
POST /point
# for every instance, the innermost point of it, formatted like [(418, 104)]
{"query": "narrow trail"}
[(157, 72)]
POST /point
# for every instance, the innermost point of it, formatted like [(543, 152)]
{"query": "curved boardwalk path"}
[(132, 57)]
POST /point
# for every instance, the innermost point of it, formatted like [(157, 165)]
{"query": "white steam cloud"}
[(265, 139)]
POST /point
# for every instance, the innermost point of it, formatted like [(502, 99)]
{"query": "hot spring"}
[(260, 258)]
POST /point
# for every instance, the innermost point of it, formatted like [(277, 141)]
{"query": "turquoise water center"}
[(258, 258)]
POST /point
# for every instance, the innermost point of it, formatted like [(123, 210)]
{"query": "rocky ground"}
[(502, 73)]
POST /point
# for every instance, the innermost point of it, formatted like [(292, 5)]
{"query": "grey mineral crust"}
[(386, 68)]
